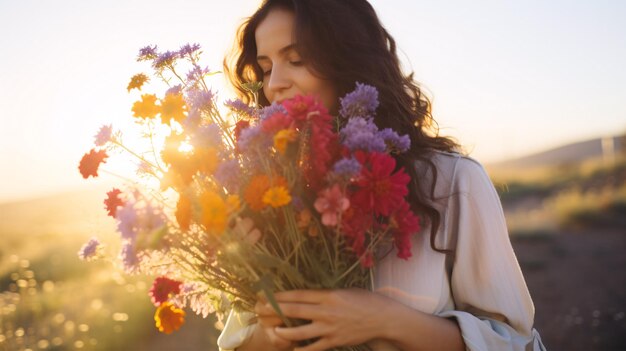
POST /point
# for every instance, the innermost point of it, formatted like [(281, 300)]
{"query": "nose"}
[(278, 82)]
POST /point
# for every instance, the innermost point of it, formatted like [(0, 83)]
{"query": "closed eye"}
[(293, 63)]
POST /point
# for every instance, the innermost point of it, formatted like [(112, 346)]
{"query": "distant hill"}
[(568, 154)]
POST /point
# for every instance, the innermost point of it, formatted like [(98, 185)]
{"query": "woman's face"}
[(285, 75)]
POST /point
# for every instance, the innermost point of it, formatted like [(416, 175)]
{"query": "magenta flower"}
[(330, 203)]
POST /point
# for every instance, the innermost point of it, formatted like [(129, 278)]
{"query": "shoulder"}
[(457, 172)]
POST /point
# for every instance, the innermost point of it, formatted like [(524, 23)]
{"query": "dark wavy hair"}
[(356, 48)]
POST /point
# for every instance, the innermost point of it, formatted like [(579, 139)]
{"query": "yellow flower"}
[(137, 81), (256, 189), (146, 108), (173, 107), (277, 196), (233, 203), (284, 137), (214, 212), (169, 318)]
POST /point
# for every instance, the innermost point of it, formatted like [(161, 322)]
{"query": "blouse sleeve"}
[(237, 330), (493, 307)]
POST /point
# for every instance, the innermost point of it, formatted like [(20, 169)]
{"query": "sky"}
[(507, 78)]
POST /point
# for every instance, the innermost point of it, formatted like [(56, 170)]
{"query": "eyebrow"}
[(281, 52)]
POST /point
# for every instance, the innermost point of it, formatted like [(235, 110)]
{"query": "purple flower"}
[(251, 135), (271, 110), (127, 218), (200, 99), (165, 59), (207, 135), (362, 102), (240, 107), (347, 167), (188, 50), (176, 89), (193, 120), (104, 135), (227, 174), (394, 141), (129, 257), (362, 134), (89, 250), (196, 73), (147, 53)]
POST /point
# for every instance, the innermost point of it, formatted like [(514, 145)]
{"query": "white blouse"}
[(488, 295)]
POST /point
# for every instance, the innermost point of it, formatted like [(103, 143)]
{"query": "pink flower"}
[(330, 203), (299, 107), (276, 122), (104, 135)]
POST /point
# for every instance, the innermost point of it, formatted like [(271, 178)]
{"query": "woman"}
[(472, 297)]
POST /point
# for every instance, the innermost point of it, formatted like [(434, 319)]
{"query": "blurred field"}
[(568, 227), (50, 300)]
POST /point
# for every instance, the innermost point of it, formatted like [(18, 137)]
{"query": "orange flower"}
[(147, 107), (183, 212), (256, 189), (90, 162), (173, 107), (214, 212), (206, 159), (137, 81), (169, 318), (113, 201)]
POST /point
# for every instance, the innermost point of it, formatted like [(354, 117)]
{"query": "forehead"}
[(275, 31)]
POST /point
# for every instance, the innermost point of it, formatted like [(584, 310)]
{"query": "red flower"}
[(239, 126), (113, 201), (406, 224), (162, 288), (324, 148), (381, 190), (354, 224), (90, 162)]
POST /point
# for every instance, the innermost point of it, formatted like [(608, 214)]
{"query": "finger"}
[(270, 322), (276, 340), (302, 311), (305, 296), (264, 309), (319, 345), (303, 332)]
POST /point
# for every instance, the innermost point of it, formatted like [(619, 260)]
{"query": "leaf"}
[(266, 286)]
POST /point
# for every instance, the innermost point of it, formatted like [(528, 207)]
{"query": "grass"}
[(580, 196)]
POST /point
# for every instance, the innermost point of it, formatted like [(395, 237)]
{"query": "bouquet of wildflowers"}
[(252, 200)]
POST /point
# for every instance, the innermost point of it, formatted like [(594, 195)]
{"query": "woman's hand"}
[(338, 317), (268, 320)]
